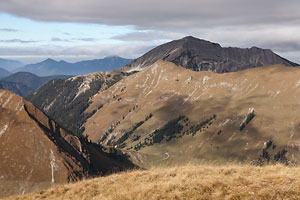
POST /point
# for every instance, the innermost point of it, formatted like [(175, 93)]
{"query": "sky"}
[(73, 30)]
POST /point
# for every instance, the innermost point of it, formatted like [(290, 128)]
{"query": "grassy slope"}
[(186, 182), (167, 91)]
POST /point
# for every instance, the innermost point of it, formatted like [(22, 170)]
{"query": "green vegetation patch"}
[(270, 155), (120, 142), (175, 128)]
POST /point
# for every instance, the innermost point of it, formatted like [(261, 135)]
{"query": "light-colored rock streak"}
[(3, 129), (85, 85), (47, 108), (53, 166), (197, 86), (205, 79), (7, 100)]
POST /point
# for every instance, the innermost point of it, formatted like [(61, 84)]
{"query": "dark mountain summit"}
[(201, 55)]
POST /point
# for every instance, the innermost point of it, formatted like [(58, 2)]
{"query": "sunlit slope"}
[(188, 182), (212, 105), (36, 152)]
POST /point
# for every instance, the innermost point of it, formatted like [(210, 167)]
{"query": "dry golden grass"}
[(187, 182)]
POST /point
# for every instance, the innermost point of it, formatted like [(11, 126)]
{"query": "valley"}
[(149, 100), (186, 101)]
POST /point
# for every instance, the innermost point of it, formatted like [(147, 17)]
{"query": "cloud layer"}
[(268, 24), (157, 14), (8, 30)]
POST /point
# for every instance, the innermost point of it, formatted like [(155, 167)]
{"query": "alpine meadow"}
[(149, 100)]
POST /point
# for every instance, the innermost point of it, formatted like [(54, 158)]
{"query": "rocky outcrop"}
[(247, 119), (200, 55)]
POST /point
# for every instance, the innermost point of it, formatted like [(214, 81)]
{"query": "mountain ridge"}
[(18, 88), (25, 83), (66, 99), (31, 80), (50, 66), (10, 65), (201, 55), (181, 115), (4, 73)]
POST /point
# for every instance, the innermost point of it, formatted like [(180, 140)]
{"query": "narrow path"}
[(165, 158)]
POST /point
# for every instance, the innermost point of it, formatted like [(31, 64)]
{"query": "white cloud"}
[(264, 23), (17, 41), (157, 14)]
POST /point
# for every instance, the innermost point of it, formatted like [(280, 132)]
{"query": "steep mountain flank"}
[(200, 55), (179, 115), (65, 100), (36, 152)]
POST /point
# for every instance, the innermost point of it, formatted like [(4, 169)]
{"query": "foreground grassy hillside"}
[(186, 182)]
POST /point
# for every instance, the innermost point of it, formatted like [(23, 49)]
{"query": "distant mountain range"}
[(31, 80), (25, 83), (10, 65), (52, 67), (201, 55), (188, 52), (4, 73), (175, 104)]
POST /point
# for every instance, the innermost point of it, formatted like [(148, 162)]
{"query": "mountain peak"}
[(49, 60), (191, 38), (202, 55)]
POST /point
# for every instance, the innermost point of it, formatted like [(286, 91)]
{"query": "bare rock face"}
[(37, 153), (200, 55)]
